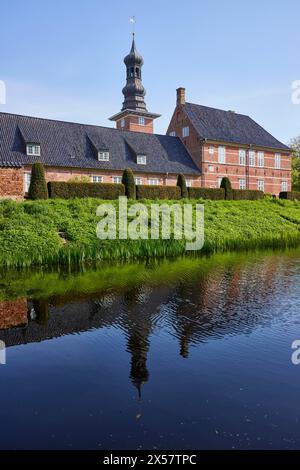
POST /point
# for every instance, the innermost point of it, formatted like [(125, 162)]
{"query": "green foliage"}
[(79, 179), (181, 183), (291, 195), (226, 185), (295, 145), (29, 231), (129, 183), (66, 190), (38, 185), (247, 194), (157, 192), (213, 194)]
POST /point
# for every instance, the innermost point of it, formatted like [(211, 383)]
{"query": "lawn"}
[(29, 231)]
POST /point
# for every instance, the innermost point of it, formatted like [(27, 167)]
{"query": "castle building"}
[(225, 143), (204, 144)]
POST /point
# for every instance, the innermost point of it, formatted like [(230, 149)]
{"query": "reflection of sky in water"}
[(201, 360)]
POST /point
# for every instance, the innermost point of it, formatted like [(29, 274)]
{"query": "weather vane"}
[(132, 21)]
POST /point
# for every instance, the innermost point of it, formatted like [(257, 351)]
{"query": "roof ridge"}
[(77, 123), (219, 109)]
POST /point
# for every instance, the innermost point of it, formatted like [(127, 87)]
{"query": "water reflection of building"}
[(231, 299)]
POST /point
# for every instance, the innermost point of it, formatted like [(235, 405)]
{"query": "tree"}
[(295, 145), (38, 186), (129, 183), (226, 184), (181, 182)]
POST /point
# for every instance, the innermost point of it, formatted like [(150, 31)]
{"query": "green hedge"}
[(247, 194), (67, 190), (158, 192), (291, 195), (207, 193)]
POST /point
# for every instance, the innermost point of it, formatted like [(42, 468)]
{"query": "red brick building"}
[(204, 144), (225, 143)]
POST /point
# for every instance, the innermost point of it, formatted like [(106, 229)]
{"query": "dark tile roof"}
[(65, 144), (228, 126)]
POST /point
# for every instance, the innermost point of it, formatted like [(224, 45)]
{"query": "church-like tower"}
[(134, 115)]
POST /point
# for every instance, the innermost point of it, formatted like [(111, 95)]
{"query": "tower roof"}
[(134, 57)]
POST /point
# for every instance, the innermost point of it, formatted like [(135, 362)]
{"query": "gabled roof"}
[(228, 126), (66, 144)]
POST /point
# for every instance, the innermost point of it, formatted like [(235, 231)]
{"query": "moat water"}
[(188, 354)]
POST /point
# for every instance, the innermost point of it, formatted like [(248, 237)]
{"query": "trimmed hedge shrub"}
[(291, 195), (247, 194), (66, 190), (226, 184), (181, 183), (214, 194), (158, 192), (129, 183), (38, 186)]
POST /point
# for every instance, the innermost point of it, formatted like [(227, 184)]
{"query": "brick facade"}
[(131, 123), (65, 174), (205, 155), (11, 183)]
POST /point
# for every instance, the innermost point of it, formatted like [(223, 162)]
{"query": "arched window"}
[(132, 71), (137, 72)]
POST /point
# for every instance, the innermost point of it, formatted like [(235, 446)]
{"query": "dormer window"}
[(141, 160), (33, 150), (141, 121), (103, 156)]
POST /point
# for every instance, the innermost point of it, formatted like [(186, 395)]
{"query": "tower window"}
[(137, 72), (141, 121), (123, 122), (132, 71)]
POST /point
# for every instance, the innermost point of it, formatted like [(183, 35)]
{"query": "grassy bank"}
[(29, 231)]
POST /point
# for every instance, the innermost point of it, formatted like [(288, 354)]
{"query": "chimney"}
[(180, 96)]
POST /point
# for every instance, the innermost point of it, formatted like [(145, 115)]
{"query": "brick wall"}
[(131, 123), (272, 177), (60, 174), (13, 313), (11, 183)]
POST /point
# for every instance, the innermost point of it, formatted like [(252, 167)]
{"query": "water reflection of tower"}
[(139, 327)]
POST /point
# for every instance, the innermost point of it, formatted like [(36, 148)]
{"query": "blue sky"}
[(64, 59)]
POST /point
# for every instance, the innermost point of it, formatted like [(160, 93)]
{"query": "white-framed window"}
[(189, 183), (33, 149), (27, 180), (138, 180), (153, 182), (172, 134), (141, 121), (141, 160), (103, 156), (251, 157), (185, 131), (242, 156), (211, 168), (242, 184), (284, 186), (97, 179), (123, 122), (211, 150), (261, 185), (277, 160), (117, 179), (221, 154), (260, 159)]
